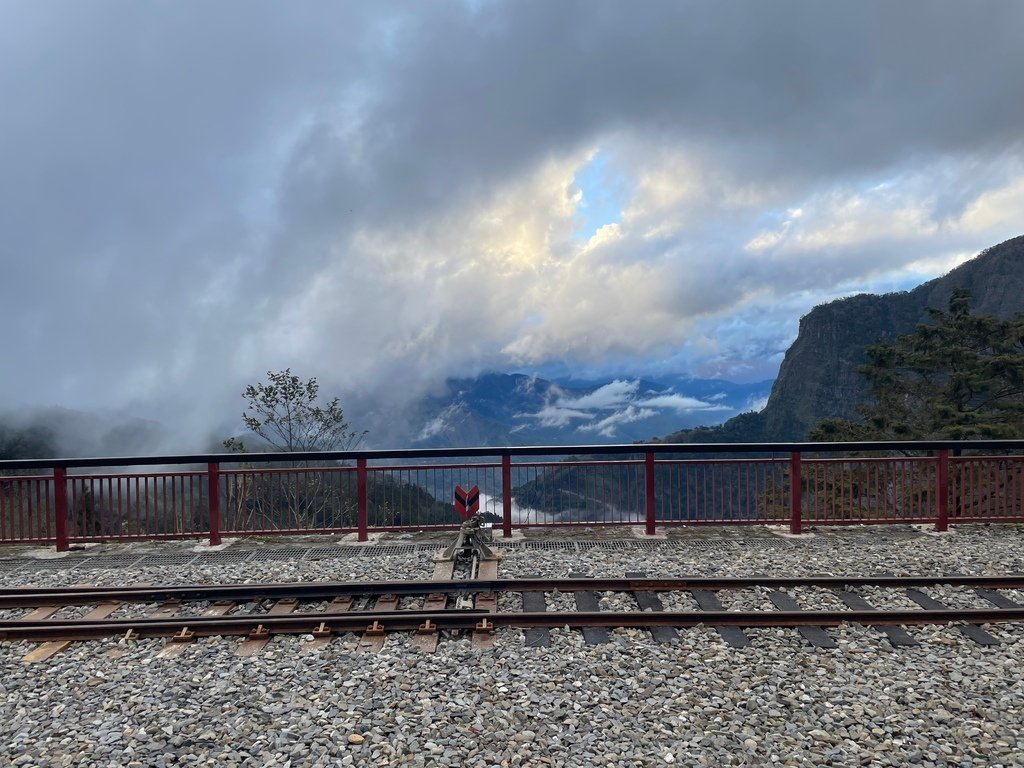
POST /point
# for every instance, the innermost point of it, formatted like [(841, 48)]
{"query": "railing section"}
[(869, 490), (986, 489), (722, 491), (788, 485), (27, 509), (163, 505)]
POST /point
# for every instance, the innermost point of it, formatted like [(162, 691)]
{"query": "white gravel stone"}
[(631, 702)]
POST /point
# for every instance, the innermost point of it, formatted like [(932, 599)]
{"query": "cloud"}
[(609, 424), (625, 401), (556, 415), (384, 196), (607, 396), (681, 403)]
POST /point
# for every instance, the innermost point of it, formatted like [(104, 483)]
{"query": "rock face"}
[(818, 378)]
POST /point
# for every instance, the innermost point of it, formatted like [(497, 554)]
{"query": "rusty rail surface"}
[(310, 623), (375, 618), (326, 590)]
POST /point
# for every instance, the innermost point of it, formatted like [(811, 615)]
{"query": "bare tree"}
[(286, 414)]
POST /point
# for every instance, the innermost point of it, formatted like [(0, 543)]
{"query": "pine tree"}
[(960, 376)]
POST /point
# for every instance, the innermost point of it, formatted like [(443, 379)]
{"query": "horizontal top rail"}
[(526, 450)]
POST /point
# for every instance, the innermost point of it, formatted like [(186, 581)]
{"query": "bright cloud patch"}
[(681, 403), (613, 405), (608, 424)]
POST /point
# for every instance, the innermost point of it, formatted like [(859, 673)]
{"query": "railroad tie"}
[(427, 636), (260, 636), (373, 637), (708, 601), (164, 610), (997, 599), (322, 634), (971, 631), (180, 642), (816, 636), (488, 569), (444, 570), (898, 636), (649, 601), (50, 648), (587, 601), (535, 602), (483, 634), (41, 613)]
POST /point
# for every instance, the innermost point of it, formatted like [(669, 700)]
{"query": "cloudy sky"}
[(385, 194)]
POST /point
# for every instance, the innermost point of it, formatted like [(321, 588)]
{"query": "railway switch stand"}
[(472, 541)]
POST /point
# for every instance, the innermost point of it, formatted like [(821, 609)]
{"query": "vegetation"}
[(960, 377), (30, 442), (286, 413)]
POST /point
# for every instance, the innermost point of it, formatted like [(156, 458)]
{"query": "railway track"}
[(257, 612)]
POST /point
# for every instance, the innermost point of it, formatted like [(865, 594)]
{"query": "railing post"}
[(213, 501), (506, 495), (942, 491), (60, 507), (649, 493), (361, 516), (795, 501)]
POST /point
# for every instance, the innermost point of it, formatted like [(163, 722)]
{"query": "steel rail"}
[(315, 591), (307, 623)]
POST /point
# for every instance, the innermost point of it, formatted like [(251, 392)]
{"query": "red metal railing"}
[(162, 505), (723, 491), (27, 509), (869, 490), (83, 500), (579, 493), (986, 489)]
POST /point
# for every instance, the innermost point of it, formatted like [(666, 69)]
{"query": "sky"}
[(383, 195)]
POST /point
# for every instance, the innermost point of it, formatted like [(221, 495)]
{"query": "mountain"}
[(49, 432), (818, 378), (516, 409)]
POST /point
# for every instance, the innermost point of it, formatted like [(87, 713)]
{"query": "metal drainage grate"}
[(149, 561), (390, 550), (324, 553), (630, 546), (218, 558), (563, 546), (277, 554), (6, 566), (761, 543), (651, 546)]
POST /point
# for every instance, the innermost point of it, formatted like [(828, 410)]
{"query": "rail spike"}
[(185, 635)]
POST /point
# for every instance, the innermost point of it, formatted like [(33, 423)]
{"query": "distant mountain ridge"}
[(517, 409), (818, 377)]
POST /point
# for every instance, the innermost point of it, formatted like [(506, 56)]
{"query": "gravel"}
[(630, 702)]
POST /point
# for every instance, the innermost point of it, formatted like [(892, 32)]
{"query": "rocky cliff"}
[(818, 378)]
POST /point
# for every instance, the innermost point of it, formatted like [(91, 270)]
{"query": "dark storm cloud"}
[(195, 192), (812, 88)]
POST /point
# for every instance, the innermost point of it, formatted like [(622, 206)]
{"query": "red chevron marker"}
[(467, 503)]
